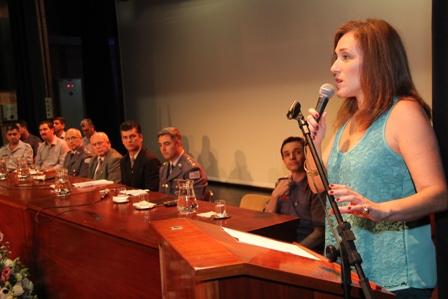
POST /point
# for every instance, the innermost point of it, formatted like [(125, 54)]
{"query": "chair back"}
[(208, 196), (254, 201)]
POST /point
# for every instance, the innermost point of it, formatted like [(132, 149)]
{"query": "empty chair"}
[(208, 196), (254, 201)]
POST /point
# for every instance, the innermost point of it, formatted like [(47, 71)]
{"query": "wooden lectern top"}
[(199, 260)]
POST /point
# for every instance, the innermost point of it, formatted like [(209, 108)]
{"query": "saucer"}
[(144, 205), (120, 199), (226, 215)]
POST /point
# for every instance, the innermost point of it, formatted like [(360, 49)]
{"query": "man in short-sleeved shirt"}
[(15, 149), (292, 196), (27, 137)]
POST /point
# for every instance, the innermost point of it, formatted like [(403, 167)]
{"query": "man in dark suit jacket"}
[(179, 165), (78, 158), (139, 167), (106, 162)]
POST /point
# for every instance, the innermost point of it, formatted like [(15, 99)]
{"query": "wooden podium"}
[(202, 261)]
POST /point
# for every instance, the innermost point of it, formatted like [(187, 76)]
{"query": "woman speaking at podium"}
[(383, 160)]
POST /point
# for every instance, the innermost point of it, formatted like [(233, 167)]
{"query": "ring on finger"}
[(365, 210)]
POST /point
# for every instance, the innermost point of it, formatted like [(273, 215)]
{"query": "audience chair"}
[(208, 196), (254, 201)]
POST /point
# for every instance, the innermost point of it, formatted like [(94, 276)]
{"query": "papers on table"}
[(268, 243), (92, 183), (137, 192), (207, 214)]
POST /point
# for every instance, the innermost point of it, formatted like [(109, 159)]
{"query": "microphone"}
[(326, 91), (293, 111)]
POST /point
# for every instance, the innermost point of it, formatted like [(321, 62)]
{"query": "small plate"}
[(226, 215), (144, 206), (120, 199)]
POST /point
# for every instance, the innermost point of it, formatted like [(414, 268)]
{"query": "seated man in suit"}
[(50, 154), (139, 167), (15, 149), (292, 196), (78, 159), (179, 165), (106, 162)]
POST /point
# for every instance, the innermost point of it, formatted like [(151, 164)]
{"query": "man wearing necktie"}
[(140, 166), (109, 168), (78, 159), (179, 164)]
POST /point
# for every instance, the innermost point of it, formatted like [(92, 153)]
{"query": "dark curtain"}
[(29, 76), (440, 108), (102, 83), (95, 23)]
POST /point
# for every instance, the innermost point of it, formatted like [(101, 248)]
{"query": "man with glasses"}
[(78, 159), (106, 162)]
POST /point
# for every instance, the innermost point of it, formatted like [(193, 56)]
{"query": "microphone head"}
[(293, 111), (326, 90)]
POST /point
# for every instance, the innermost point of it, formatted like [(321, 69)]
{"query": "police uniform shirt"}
[(184, 168)]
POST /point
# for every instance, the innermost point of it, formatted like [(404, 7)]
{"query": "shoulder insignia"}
[(194, 175), (190, 161)]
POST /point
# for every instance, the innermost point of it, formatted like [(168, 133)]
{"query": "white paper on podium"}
[(268, 243)]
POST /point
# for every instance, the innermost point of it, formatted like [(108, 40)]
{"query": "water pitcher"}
[(186, 199)]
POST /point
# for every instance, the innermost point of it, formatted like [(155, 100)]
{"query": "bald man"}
[(106, 162), (78, 158)]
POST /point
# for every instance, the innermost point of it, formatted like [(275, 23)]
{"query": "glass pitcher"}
[(23, 171), (62, 185), (186, 199)]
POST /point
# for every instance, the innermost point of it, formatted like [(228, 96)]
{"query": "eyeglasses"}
[(98, 144), (72, 138)]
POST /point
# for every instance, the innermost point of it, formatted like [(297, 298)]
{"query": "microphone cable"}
[(93, 214)]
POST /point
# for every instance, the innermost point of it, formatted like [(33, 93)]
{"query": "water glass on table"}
[(121, 191), (220, 208)]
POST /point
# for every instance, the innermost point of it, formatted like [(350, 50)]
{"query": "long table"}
[(83, 246)]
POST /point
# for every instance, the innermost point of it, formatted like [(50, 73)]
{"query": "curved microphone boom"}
[(326, 91)]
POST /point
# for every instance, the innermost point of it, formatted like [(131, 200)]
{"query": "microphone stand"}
[(347, 252)]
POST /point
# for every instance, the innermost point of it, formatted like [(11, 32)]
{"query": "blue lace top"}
[(396, 255)]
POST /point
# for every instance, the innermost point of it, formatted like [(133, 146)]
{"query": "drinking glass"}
[(63, 186), (23, 171)]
